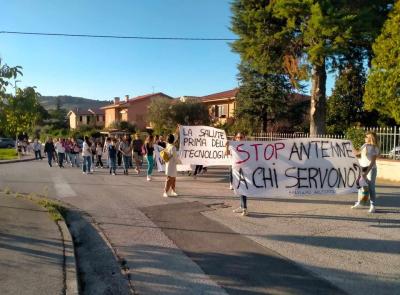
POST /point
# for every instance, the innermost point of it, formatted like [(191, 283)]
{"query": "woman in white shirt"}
[(369, 152), (170, 168)]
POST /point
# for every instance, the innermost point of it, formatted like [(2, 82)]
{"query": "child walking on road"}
[(99, 153)]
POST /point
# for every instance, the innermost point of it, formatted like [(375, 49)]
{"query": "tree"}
[(262, 98), (126, 126), (382, 91), (345, 107), (164, 115), (159, 115), (305, 38), (190, 112), (7, 73), (21, 111)]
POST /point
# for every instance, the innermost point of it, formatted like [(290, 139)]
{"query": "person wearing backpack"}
[(170, 167)]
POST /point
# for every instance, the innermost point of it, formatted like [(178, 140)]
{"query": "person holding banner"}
[(170, 167), (369, 152), (243, 199)]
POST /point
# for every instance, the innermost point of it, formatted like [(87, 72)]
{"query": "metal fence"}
[(389, 139)]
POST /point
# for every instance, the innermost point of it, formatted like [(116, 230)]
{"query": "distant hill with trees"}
[(70, 102)]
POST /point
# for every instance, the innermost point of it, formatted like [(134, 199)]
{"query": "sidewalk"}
[(24, 158), (31, 249)]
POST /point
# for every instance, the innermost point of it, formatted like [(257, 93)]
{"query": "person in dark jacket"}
[(112, 156), (49, 150)]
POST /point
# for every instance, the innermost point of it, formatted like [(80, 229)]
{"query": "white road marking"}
[(63, 189)]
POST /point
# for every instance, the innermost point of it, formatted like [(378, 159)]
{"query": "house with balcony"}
[(86, 117), (133, 110)]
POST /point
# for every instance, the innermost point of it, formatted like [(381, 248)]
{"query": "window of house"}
[(87, 119), (221, 110), (80, 118)]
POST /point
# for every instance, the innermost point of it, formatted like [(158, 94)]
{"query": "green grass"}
[(8, 154), (55, 209)]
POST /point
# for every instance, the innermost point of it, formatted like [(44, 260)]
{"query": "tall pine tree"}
[(345, 105), (305, 37), (262, 98)]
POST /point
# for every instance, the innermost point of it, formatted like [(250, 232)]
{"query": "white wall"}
[(388, 170)]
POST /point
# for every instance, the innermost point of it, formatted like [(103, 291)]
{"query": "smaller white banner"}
[(203, 145)]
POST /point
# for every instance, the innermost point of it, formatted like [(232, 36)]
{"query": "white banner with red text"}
[(294, 167)]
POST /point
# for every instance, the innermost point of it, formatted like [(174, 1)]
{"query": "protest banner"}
[(303, 166), (203, 145), (161, 165)]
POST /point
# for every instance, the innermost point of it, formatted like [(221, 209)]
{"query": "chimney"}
[(116, 100), (126, 98)]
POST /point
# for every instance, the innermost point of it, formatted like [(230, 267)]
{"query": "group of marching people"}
[(90, 154), (118, 151), (126, 152)]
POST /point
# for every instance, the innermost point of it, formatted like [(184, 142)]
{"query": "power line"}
[(117, 36)]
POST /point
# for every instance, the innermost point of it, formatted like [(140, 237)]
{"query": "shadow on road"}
[(98, 270), (235, 262)]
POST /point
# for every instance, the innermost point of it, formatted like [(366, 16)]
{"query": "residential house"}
[(81, 117), (221, 105), (132, 110)]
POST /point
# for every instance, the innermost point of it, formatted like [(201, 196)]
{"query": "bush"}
[(357, 136)]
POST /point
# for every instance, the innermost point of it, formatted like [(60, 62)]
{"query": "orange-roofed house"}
[(132, 110), (221, 105)]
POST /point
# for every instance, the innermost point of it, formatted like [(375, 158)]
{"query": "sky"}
[(106, 68)]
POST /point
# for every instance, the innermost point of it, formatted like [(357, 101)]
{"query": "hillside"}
[(70, 102)]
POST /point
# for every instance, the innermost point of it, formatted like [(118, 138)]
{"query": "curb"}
[(16, 161), (71, 275), (121, 262)]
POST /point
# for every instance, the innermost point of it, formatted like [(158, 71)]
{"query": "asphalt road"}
[(313, 245)]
